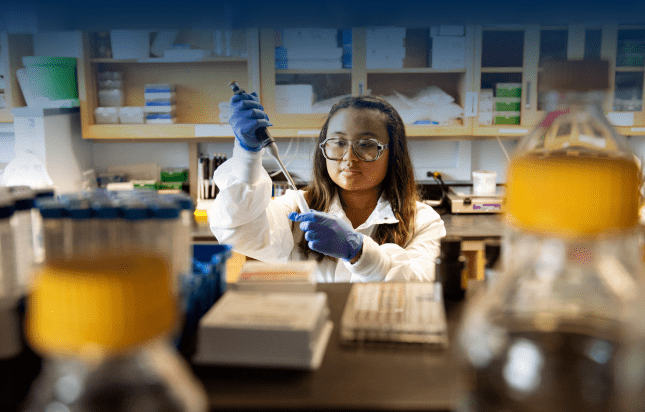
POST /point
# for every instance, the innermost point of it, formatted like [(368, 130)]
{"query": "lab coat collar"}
[(382, 213)]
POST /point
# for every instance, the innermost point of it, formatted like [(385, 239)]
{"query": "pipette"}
[(266, 140)]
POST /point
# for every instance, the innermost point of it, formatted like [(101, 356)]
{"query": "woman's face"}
[(350, 172)]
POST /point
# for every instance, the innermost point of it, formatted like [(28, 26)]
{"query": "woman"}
[(366, 223)]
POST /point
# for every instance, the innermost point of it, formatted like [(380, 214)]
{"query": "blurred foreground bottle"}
[(102, 312), (551, 332)]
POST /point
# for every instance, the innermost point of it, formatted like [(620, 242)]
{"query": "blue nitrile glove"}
[(329, 234), (247, 115)]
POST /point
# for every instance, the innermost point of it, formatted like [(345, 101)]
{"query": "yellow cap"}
[(572, 195), (108, 305)]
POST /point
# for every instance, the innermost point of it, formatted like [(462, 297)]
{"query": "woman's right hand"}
[(247, 115)]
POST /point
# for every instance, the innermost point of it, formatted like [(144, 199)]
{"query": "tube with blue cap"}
[(268, 142)]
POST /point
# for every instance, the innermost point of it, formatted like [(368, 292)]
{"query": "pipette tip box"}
[(258, 329)]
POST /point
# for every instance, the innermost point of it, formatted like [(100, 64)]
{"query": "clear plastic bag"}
[(26, 169)]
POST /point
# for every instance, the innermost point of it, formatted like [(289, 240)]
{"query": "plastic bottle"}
[(548, 334), (102, 315)]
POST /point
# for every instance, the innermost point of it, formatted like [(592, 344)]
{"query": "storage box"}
[(508, 90), (106, 115), (130, 44), (448, 52), (174, 175), (161, 118), (159, 106), (111, 98), (506, 118), (294, 98), (507, 104), (131, 115)]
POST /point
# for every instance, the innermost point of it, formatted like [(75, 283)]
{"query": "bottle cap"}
[(24, 197), (571, 195), (51, 208), (80, 209), (164, 210), (6, 205), (108, 305)]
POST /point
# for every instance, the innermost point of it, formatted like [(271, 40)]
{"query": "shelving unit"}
[(201, 85), (12, 48), (493, 55)]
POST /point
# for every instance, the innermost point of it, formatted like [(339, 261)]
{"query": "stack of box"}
[(111, 97), (385, 47), (160, 103), (308, 49), (507, 103), (485, 108), (448, 47)]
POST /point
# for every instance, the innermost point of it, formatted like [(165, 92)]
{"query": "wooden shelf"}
[(161, 60), (313, 71), (630, 69), (502, 130), (157, 131), (415, 70), (501, 70)]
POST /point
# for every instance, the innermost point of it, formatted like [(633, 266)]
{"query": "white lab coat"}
[(244, 216)]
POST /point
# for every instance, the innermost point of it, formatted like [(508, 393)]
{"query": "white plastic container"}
[(130, 44), (131, 114), (484, 183), (111, 98), (106, 115)]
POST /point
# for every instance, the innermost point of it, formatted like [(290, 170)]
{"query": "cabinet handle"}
[(528, 95)]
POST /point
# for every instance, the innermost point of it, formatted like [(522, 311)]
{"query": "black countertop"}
[(357, 378), (467, 226)]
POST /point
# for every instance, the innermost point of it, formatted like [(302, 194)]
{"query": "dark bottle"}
[(450, 268)]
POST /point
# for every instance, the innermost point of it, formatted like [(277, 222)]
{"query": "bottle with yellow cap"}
[(103, 310), (550, 332)]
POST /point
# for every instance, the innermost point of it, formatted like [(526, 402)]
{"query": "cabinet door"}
[(506, 65), (304, 72), (12, 48), (425, 73), (201, 84), (624, 46)]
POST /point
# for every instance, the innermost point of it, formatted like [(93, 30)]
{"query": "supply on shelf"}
[(309, 48), (566, 309), (160, 104), (108, 267)]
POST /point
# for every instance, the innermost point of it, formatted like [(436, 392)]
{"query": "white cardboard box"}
[(448, 52), (286, 330), (294, 98)]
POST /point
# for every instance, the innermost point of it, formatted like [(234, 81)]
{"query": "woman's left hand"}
[(329, 234)]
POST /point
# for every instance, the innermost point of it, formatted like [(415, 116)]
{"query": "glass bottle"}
[(102, 315), (548, 334)]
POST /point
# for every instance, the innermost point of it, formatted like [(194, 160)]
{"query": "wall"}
[(454, 159)]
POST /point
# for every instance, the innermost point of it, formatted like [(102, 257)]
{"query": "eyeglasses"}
[(368, 150)]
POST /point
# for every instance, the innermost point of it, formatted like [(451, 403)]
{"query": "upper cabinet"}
[(624, 46), (12, 49), (446, 81), (178, 78), (426, 75)]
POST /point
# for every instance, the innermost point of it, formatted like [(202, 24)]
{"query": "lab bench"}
[(384, 377), (474, 229)]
